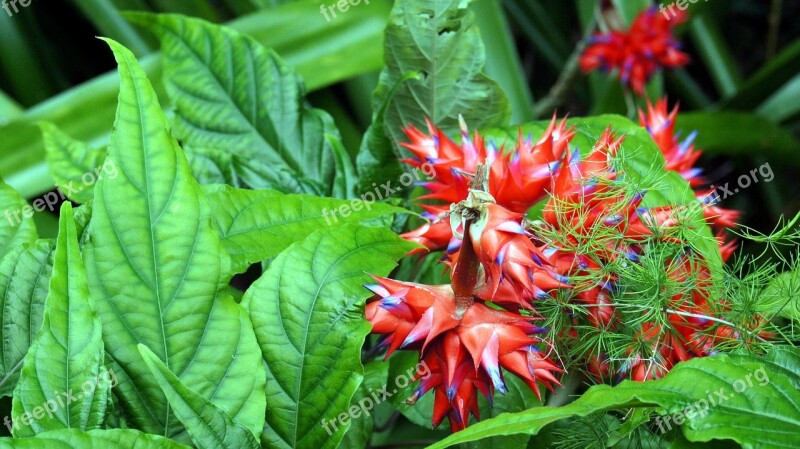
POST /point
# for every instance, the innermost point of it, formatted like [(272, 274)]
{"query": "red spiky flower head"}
[(518, 177), (464, 351), (637, 53)]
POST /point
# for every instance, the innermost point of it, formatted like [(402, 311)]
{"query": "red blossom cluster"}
[(503, 265), (637, 53)]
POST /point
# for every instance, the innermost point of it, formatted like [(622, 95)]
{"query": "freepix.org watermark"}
[(669, 11), (374, 398), (381, 192), (342, 5), (703, 406), (61, 399), (50, 199), (8, 5), (744, 181)]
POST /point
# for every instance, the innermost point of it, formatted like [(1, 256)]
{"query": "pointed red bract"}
[(463, 355)]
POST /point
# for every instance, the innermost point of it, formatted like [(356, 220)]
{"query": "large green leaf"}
[(258, 224), (352, 46), (72, 163), (308, 313), (154, 260), (438, 40), (16, 225), (233, 94), (93, 439), (209, 427), (759, 395), (63, 371), (24, 282), (741, 133)]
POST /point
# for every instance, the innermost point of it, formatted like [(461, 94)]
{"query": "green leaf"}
[(258, 224), (377, 160), (767, 80), (629, 9), (93, 439), (308, 313), (783, 104), (72, 162), (503, 62), (63, 383), (209, 427), (360, 432), (211, 166), (353, 46), (438, 40), (760, 394), (519, 397), (233, 94), (24, 281), (714, 51), (782, 296), (15, 227), (154, 260), (740, 133)]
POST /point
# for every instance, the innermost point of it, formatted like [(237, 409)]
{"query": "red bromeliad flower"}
[(502, 266), (636, 54), (518, 178), (463, 349)]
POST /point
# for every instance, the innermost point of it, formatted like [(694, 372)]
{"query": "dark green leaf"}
[(437, 40), (308, 312), (234, 95), (24, 282)]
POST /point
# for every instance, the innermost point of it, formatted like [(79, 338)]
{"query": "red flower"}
[(636, 54), (518, 178), (464, 354), (680, 155)]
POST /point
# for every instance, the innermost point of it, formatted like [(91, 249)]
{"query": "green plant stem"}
[(567, 78), (774, 27), (564, 395)]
